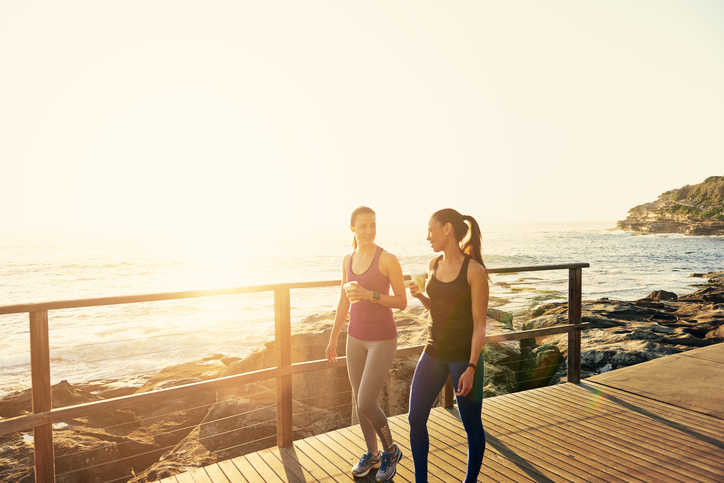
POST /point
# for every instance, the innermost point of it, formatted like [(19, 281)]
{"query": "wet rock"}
[(63, 394), (626, 333), (662, 295)]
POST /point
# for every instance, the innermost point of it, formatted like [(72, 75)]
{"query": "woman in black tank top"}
[(457, 298)]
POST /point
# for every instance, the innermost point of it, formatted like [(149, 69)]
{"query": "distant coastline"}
[(690, 210)]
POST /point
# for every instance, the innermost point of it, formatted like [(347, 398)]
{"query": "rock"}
[(16, 458), (170, 421), (539, 366), (691, 210), (63, 394), (626, 333), (103, 448), (662, 295)]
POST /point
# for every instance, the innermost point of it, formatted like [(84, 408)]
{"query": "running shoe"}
[(388, 465), (365, 464)]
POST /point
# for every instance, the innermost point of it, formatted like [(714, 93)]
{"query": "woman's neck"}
[(366, 249), (453, 255)]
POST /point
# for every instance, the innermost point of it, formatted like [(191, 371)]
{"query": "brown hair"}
[(467, 232), (361, 210)]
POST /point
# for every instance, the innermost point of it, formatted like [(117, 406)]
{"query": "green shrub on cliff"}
[(703, 200)]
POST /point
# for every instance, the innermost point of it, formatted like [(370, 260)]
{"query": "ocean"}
[(140, 339)]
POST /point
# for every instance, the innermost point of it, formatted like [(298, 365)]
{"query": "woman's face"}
[(365, 228), (437, 234)]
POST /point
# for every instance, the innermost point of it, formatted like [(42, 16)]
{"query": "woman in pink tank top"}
[(371, 337)]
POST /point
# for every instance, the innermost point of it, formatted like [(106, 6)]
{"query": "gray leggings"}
[(368, 363)]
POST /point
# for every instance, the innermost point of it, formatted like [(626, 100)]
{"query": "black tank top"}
[(451, 308)]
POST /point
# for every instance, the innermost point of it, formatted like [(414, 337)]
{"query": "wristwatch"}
[(375, 297)]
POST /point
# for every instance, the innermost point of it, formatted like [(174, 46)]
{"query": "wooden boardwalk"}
[(570, 432)]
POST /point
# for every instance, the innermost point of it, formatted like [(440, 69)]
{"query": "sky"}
[(250, 116)]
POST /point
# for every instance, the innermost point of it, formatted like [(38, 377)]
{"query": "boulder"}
[(63, 394)]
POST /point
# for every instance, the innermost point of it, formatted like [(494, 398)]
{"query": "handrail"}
[(43, 416), (157, 297)]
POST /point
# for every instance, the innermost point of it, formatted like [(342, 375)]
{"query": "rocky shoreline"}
[(690, 210), (151, 442)]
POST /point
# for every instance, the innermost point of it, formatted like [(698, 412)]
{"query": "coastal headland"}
[(690, 210), (152, 442)]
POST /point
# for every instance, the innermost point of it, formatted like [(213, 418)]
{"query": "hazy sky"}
[(246, 114)]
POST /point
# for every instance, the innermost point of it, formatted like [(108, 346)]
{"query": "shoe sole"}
[(362, 475)]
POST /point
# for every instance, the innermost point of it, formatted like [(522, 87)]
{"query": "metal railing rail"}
[(43, 416)]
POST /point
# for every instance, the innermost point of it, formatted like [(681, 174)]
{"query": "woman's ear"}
[(448, 228)]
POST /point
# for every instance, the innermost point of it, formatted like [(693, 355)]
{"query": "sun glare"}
[(216, 258)]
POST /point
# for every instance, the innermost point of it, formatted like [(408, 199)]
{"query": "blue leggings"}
[(429, 379)]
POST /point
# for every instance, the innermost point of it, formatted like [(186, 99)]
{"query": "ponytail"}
[(473, 244), (467, 232)]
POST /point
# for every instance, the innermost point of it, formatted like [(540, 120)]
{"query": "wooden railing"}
[(43, 416)]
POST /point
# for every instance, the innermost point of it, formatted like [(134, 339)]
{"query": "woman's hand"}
[(332, 351), (465, 383), (414, 289), (356, 292)]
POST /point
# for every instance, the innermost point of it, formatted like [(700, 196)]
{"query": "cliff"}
[(690, 210)]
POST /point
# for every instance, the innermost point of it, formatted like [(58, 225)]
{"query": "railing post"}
[(42, 395), (283, 332), (575, 291), (447, 395)]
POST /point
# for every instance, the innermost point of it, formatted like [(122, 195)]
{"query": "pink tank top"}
[(367, 320)]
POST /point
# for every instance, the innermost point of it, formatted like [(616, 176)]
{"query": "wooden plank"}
[(285, 465), (597, 456), (508, 419), (341, 453), (680, 434), (312, 472), (200, 476), (645, 431), (41, 395), (710, 426), (265, 472), (346, 453), (673, 446), (319, 468), (245, 469), (216, 474), (529, 451), (441, 428), (641, 459), (592, 447), (185, 478)]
